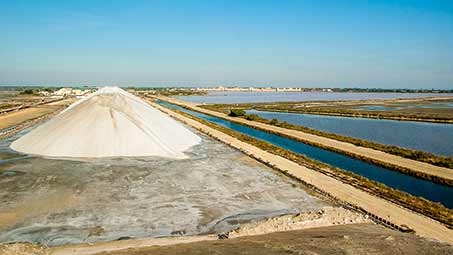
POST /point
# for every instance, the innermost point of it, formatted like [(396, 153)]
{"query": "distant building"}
[(44, 93), (289, 89), (63, 92), (70, 92), (249, 89)]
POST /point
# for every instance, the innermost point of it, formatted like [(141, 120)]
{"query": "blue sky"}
[(338, 43)]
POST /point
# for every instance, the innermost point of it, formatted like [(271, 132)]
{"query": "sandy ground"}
[(326, 217), (345, 239), (341, 239), (372, 204), (14, 118), (342, 146)]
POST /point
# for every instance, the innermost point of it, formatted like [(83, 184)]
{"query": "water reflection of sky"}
[(219, 97), (435, 105), (436, 138)]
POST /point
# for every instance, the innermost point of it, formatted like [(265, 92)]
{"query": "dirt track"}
[(382, 208), (413, 165)]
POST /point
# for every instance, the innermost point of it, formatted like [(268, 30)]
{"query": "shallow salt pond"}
[(54, 202), (231, 97), (436, 138)]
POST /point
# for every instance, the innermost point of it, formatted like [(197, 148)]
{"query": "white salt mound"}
[(109, 123)]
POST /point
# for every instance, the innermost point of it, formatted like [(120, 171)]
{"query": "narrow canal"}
[(412, 185)]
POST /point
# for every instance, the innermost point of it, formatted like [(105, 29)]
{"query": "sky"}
[(329, 43)]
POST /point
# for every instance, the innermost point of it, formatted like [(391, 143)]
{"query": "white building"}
[(44, 93), (71, 92), (63, 92)]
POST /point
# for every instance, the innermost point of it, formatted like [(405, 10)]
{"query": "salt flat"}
[(54, 202)]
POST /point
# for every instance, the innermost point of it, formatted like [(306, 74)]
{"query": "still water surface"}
[(415, 186), (436, 138), (219, 97), (393, 107)]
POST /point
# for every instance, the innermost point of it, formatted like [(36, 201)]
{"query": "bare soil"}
[(343, 239)]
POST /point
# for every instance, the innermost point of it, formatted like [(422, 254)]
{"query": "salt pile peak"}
[(109, 123)]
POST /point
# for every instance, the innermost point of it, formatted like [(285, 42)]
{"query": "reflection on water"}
[(218, 97), (393, 107), (436, 138)]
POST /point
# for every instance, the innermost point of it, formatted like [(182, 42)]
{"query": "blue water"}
[(435, 138), (219, 97), (415, 186)]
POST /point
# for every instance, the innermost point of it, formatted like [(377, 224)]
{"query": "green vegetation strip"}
[(420, 205), (395, 150)]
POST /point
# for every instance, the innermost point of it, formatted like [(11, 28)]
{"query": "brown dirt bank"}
[(16, 121), (14, 118), (344, 239), (341, 239)]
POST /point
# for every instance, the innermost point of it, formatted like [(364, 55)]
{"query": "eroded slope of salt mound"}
[(109, 123)]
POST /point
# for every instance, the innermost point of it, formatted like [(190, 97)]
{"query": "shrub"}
[(252, 117), (274, 122), (237, 113), (27, 92)]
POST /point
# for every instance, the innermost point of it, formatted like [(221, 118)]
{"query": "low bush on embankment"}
[(417, 204), (395, 150), (237, 113)]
